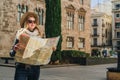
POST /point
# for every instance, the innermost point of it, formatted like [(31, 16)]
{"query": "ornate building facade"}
[(116, 24), (10, 14), (101, 33), (76, 25)]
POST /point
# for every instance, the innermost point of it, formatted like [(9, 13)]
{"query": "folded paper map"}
[(36, 50)]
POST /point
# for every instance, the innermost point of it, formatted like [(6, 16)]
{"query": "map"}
[(36, 50)]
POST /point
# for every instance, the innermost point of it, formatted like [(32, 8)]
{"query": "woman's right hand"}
[(18, 47), (15, 47)]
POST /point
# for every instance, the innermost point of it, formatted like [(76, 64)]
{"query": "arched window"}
[(21, 10), (40, 13), (70, 17), (81, 19)]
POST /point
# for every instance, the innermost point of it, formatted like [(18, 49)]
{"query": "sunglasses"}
[(31, 21)]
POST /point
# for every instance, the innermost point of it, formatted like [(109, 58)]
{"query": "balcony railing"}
[(95, 45), (116, 9), (118, 27), (94, 24), (95, 35)]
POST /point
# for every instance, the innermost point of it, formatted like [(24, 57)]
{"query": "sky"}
[(95, 2)]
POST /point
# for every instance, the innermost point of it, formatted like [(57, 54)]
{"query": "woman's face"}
[(31, 23)]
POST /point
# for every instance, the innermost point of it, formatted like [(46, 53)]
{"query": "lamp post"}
[(118, 62)]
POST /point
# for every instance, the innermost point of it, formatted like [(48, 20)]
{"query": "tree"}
[(53, 21)]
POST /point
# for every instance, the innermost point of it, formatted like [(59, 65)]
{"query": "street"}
[(78, 72)]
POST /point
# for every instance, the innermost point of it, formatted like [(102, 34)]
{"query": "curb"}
[(43, 66), (7, 65)]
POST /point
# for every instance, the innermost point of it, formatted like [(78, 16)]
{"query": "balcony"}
[(115, 9), (95, 35), (116, 38), (94, 24), (117, 27), (95, 45)]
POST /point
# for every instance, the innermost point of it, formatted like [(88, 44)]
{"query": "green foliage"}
[(56, 56), (53, 24), (53, 20), (74, 53)]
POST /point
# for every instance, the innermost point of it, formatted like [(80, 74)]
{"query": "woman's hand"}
[(15, 47), (53, 48), (19, 46)]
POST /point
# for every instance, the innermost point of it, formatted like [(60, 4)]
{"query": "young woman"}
[(29, 27)]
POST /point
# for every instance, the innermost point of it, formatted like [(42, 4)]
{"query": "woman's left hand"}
[(53, 48)]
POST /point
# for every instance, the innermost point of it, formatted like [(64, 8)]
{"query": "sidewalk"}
[(11, 63)]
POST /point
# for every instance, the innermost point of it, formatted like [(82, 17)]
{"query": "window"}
[(117, 15), (81, 43), (81, 2), (106, 32), (103, 24), (118, 45), (40, 13), (95, 31), (118, 42), (95, 41), (70, 42), (117, 6), (94, 21), (21, 10), (81, 22), (117, 25), (118, 34), (70, 20)]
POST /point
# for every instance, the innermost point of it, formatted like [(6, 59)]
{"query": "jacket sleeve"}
[(16, 40), (12, 51)]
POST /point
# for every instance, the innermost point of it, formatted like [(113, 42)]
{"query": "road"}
[(94, 72)]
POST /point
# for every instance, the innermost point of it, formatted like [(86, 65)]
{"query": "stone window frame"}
[(70, 12), (81, 42), (21, 10), (40, 13), (81, 19), (70, 42)]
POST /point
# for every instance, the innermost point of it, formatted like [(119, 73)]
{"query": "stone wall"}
[(8, 20)]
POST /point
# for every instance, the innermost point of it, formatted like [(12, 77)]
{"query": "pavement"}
[(60, 72), (66, 72)]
